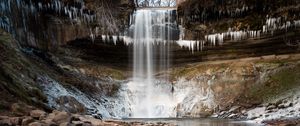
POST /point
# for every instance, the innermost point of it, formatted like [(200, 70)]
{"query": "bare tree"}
[(105, 19)]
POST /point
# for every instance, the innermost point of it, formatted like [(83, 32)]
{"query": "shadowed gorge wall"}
[(47, 24)]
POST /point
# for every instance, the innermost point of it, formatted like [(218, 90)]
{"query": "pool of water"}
[(196, 121)]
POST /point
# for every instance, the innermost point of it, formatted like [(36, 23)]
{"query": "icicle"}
[(97, 31), (103, 38), (297, 23), (114, 39), (40, 6), (18, 3), (92, 35), (66, 11), (264, 29), (70, 14)]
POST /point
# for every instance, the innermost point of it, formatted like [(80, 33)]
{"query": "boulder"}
[(15, 120), (270, 107), (38, 114), (49, 122), (61, 117), (4, 120), (27, 120)]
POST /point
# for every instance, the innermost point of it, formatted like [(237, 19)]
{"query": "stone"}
[(91, 120), (15, 120), (269, 57), (277, 103), (281, 106), (4, 120), (77, 123), (232, 116), (64, 124), (252, 118), (49, 122), (35, 124), (50, 116), (38, 114), (244, 111), (270, 107), (27, 120), (234, 109), (289, 104), (86, 124), (61, 117)]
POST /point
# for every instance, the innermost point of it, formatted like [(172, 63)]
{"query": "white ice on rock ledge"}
[(165, 102), (271, 25), (290, 110), (111, 108)]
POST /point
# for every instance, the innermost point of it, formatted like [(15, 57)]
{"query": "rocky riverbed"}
[(30, 116)]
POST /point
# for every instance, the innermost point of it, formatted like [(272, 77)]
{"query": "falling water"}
[(152, 31)]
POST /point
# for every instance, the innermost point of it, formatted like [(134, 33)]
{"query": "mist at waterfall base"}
[(151, 32)]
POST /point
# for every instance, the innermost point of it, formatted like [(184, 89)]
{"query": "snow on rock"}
[(281, 109)]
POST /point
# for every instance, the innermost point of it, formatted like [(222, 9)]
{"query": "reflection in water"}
[(196, 121)]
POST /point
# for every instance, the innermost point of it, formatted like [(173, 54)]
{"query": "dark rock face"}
[(215, 16), (48, 24), (202, 18)]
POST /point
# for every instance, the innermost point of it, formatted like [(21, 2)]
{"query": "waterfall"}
[(152, 31)]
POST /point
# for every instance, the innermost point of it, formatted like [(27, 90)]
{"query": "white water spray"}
[(151, 35)]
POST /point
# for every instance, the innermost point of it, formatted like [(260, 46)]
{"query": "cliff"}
[(46, 25)]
